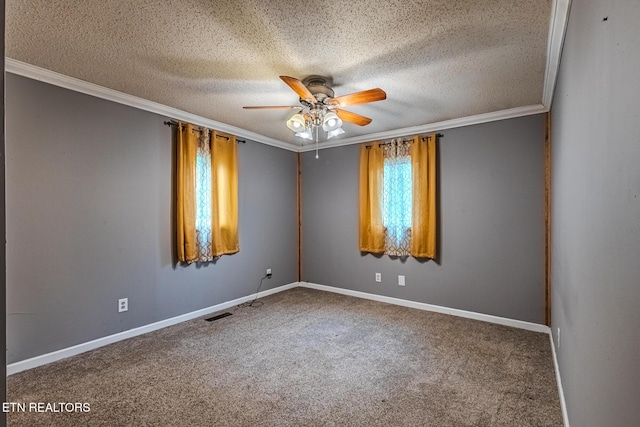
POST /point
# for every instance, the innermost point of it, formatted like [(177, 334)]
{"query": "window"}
[(397, 207), (207, 194), (397, 199), (203, 198)]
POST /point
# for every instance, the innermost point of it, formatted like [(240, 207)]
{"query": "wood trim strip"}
[(547, 221)]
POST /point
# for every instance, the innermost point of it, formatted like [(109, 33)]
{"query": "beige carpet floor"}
[(305, 358)]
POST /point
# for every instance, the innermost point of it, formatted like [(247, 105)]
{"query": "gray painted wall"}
[(596, 214), (491, 216), (89, 200)]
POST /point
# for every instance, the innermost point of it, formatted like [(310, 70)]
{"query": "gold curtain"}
[(371, 230), (224, 197), (423, 219), (185, 193)]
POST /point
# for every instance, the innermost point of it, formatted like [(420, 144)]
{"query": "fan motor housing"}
[(319, 87)]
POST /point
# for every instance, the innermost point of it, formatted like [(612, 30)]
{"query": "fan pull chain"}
[(317, 143)]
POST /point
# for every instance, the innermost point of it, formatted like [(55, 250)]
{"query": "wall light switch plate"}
[(378, 277), (400, 280)]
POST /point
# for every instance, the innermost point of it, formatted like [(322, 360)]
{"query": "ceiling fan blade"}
[(354, 118), (363, 97), (264, 107), (299, 88)]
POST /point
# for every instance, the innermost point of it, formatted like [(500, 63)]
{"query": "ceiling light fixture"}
[(331, 121), (297, 123), (305, 122), (335, 132), (306, 134)]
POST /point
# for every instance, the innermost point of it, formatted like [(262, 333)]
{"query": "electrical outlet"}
[(268, 272), (378, 277), (400, 280), (123, 305)]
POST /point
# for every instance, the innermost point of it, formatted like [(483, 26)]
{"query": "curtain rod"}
[(437, 135), (199, 129)]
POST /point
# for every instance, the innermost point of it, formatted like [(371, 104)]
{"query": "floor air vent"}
[(219, 316)]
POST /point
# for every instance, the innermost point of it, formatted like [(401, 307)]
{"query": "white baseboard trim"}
[(520, 324), (563, 404), (54, 356)]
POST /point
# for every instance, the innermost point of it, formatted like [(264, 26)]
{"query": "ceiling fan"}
[(319, 107)]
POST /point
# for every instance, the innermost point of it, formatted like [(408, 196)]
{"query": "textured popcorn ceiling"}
[(436, 59)]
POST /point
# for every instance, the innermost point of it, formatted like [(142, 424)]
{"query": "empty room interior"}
[(364, 213)]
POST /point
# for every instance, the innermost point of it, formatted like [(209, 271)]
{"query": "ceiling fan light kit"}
[(296, 123), (331, 121), (306, 134), (321, 109), (335, 132)]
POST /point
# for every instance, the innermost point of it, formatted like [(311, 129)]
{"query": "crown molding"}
[(47, 76), (557, 31), (433, 127)]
